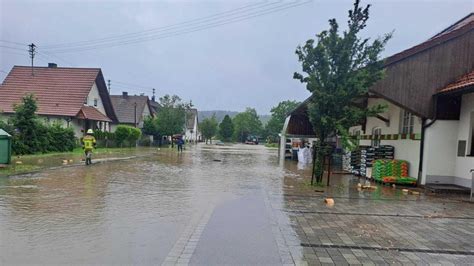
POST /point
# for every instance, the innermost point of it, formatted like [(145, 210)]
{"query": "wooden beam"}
[(386, 120)]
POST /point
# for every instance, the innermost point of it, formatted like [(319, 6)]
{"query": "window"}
[(461, 148), (86, 100), (356, 135), (407, 121), (376, 133), (95, 102)]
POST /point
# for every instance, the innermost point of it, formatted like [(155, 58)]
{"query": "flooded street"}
[(214, 205), (133, 211)]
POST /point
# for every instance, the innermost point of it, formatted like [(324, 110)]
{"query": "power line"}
[(11, 42), (13, 48), (189, 30), (131, 84), (128, 35), (184, 30), (52, 56), (44, 54)]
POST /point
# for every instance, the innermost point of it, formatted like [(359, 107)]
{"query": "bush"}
[(134, 135), (60, 139), (29, 135), (121, 134), (127, 133)]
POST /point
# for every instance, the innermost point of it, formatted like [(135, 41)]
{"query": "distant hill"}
[(221, 113)]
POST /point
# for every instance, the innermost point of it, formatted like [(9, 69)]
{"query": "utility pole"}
[(32, 52), (135, 121), (108, 84), (153, 98)]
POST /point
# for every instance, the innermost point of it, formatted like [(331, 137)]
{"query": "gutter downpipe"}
[(422, 142)]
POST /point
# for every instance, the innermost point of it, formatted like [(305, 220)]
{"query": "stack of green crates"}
[(396, 169), (378, 170)]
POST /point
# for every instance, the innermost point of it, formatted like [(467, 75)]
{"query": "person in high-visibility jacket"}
[(88, 145)]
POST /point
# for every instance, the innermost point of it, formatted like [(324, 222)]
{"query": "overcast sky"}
[(246, 63)]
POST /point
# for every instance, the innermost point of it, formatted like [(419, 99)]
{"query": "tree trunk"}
[(318, 159)]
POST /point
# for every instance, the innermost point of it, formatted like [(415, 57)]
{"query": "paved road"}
[(222, 205)]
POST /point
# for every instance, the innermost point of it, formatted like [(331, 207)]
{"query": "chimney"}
[(52, 65), (124, 94)]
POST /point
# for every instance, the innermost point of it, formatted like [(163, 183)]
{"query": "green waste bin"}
[(5, 147)]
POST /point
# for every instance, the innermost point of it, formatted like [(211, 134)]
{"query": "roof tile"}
[(60, 91), (460, 83), (91, 113)]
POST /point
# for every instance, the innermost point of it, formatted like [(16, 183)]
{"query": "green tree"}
[(245, 124), (208, 128), (122, 132), (149, 126), (28, 138), (226, 128), (339, 67), (171, 115), (133, 135), (277, 120)]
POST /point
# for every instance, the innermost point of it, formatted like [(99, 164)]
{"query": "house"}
[(429, 93), (191, 133), (72, 97), (131, 109), (296, 129)]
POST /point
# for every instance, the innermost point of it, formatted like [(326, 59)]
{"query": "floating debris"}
[(329, 202)]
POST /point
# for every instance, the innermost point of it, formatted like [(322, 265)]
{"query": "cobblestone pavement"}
[(383, 226)]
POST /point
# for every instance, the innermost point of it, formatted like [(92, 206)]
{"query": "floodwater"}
[(136, 211)]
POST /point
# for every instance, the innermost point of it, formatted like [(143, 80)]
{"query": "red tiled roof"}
[(60, 91), (91, 113), (460, 83)]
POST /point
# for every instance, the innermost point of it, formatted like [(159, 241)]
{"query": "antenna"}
[(32, 52)]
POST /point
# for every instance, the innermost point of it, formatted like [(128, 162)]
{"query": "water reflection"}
[(127, 212)]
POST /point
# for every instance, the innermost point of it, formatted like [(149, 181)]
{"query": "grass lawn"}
[(29, 163)]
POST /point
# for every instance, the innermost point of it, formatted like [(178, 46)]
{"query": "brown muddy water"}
[(128, 212)]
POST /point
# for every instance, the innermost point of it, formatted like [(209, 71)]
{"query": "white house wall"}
[(194, 135), (439, 155), (393, 113), (466, 124), (441, 163), (94, 94), (145, 114), (405, 149)]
